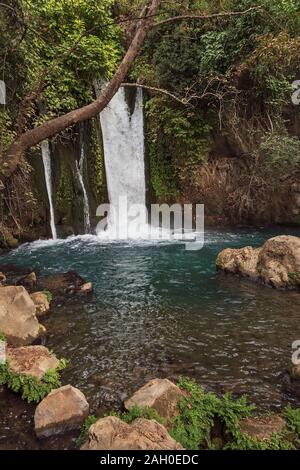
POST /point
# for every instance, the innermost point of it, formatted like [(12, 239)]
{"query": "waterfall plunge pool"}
[(158, 311)]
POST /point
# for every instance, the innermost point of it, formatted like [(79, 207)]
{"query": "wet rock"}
[(62, 285), (41, 303), (64, 409), (160, 394), (86, 288), (276, 263), (295, 371), (2, 279), (17, 316), (11, 241), (31, 360), (262, 427), (28, 281), (112, 433)]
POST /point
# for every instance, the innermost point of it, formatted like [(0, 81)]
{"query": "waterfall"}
[(48, 178), (124, 152), (86, 208)]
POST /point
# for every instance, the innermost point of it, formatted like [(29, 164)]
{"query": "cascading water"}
[(48, 178), (86, 208), (124, 152)]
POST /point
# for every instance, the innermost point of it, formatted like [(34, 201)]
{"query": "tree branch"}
[(207, 17), (183, 101)]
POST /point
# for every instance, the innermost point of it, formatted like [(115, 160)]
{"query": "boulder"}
[(17, 316), (31, 360), (41, 303), (279, 262), (28, 281), (276, 263), (64, 409), (62, 285), (241, 261), (112, 433), (159, 394), (262, 427)]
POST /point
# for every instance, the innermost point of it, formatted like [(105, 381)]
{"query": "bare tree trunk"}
[(50, 128)]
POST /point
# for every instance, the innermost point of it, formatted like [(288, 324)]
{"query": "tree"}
[(10, 159)]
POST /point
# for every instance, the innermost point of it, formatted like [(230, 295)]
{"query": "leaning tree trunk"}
[(50, 128)]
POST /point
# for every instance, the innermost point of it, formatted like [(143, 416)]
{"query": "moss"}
[(294, 277), (97, 175), (65, 192)]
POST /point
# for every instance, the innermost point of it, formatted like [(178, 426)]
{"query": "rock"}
[(61, 285), (28, 281), (241, 261), (64, 409), (112, 433), (279, 262), (262, 427), (159, 394), (276, 263), (11, 241), (86, 288), (41, 303), (2, 279), (31, 360), (295, 371), (17, 316)]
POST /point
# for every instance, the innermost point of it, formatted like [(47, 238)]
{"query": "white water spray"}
[(48, 178), (124, 152), (86, 207)]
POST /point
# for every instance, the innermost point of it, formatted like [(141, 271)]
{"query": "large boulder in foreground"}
[(64, 409), (160, 394), (262, 428), (31, 360), (276, 263), (112, 433), (18, 320)]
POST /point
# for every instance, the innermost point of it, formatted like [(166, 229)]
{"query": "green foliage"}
[(199, 411), (84, 432), (2, 336), (292, 416), (178, 142), (244, 442), (49, 295), (30, 388), (135, 412), (281, 152)]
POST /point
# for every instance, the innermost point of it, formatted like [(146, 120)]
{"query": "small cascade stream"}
[(48, 178), (124, 152), (86, 208)]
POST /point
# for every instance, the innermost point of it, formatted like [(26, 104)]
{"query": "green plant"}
[(135, 412), (2, 336), (292, 416), (31, 389), (198, 412), (49, 295), (84, 431)]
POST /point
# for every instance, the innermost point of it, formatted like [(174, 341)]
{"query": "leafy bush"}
[(31, 389)]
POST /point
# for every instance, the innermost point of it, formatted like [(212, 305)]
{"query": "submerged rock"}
[(112, 433), (160, 394), (263, 427), (41, 303), (31, 360), (64, 409), (17, 316), (276, 263), (63, 284)]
